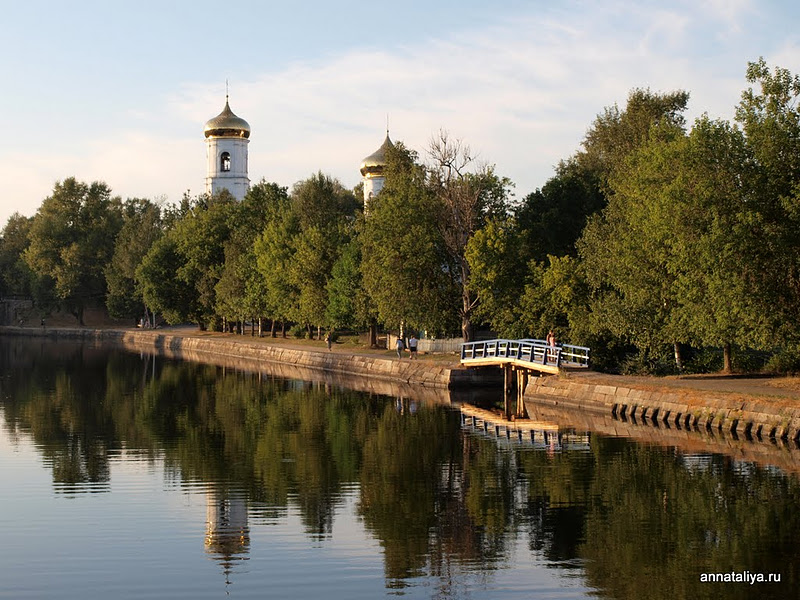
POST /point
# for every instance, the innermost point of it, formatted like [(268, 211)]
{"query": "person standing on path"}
[(400, 347), (329, 340), (412, 347)]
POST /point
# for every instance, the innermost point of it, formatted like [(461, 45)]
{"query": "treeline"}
[(662, 246)]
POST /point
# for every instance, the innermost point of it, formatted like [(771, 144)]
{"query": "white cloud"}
[(520, 92)]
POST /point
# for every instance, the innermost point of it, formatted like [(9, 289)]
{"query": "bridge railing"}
[(526, 350)]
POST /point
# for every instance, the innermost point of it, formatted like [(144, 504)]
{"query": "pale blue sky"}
[(119, 91)]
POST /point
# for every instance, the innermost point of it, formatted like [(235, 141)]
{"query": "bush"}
[(298, 331), (785, 362)]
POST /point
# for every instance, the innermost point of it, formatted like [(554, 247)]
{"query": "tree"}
[(16, 277), (770, 119), (615, 133), (72, 240), (162, 290), (200, 238), (347, 304), (325, 212), (298, 248), (466, 199), (497, 260), (141, 227), (241, 290), (405, 266), (551, 219), (273, 252)]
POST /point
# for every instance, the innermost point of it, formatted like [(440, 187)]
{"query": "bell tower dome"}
[(227, 137), (372, 171)]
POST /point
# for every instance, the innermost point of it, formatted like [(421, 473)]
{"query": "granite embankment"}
[(744, 406), (740, 405), (244, 351)]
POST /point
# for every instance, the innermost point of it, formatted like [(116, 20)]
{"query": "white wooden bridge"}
[(535, 355), (518, 358)]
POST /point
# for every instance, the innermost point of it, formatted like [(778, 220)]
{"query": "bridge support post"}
[(522, 383), (509, 389)]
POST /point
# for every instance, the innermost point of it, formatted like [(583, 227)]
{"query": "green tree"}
[(348, 304), (16, 277), (72, 241), (141, 227), (273, 253), (200, 238), (162, 290), (770, 119), (241, 290), (467, 196), (404, 263)]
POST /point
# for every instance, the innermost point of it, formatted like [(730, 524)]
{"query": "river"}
[(128, 475)]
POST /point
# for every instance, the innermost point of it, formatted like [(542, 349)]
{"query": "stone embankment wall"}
[(687, 408), (192, 347)]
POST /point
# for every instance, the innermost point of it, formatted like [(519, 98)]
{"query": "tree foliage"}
[(404, 263), (141, 227), (72, 239)]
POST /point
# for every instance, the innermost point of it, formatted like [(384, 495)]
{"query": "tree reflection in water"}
[(634, 521)]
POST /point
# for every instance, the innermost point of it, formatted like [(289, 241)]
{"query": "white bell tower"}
[(227, 137)]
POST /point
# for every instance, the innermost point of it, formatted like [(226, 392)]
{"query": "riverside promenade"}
[(767, 407)]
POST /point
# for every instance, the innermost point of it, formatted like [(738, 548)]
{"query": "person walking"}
[(400, 347), (412, 347), (329, 340)]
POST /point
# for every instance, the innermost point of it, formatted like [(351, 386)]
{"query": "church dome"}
[(227, 124), (375, 162)]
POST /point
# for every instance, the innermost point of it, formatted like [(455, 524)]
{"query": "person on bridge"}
[(551, 345)]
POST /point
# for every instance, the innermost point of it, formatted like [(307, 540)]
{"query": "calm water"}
[(125, 476)]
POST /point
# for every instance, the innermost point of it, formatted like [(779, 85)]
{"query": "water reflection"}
[(227, 529), (452, 509)]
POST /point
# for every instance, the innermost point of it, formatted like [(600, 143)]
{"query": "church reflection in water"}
[(227, 529)]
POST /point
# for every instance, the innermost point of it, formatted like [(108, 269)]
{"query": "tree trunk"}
[(283, 329), (678, 361), (727, 363), (466, 306), (260, 326), (466, 328), (273, 328)]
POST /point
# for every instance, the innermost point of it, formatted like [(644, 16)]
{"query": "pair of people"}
[(412, 347)]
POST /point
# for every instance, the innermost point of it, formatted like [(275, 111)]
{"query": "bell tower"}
[(227, 137), (372, 171)]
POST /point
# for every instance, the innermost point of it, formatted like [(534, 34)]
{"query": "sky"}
[(119, 91)]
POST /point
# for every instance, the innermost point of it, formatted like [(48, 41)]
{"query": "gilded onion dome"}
[(227, 124), (375, 162)]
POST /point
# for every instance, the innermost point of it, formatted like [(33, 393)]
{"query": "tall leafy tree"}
[(241, 290), (141, 227), (405, 266), (16, 277), (72, 241), (770, 119), (467, 195), (162, 290)]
